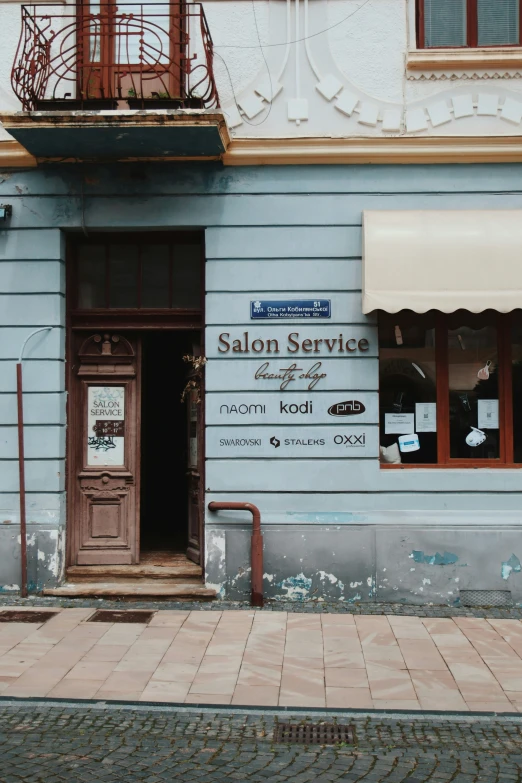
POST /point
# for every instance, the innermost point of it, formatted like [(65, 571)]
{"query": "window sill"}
[(454, 466), (463, 59)]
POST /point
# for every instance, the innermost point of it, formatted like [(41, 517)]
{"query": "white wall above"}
[(337, 68)]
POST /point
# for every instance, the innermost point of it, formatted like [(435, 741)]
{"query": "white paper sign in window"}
[(487, 414), (399, 423), (106, 425), (425, 417)]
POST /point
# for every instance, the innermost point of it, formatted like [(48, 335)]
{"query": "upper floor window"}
[(468, 23)]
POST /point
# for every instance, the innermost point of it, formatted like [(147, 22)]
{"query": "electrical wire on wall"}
[(262, 47)]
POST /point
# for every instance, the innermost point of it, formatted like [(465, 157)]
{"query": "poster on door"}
[(106, 425)]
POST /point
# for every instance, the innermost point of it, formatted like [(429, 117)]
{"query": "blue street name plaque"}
[(290, 308)]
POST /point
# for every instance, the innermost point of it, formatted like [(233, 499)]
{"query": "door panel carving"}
[(106, 448), (105, 517)]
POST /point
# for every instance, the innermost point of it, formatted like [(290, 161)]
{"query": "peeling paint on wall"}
[(448, 558), (331, 578), (510, 566), (10, 589), (297, 588), (328, 517), (215, 562)]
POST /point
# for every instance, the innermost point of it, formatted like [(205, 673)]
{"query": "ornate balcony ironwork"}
[(107, 56)]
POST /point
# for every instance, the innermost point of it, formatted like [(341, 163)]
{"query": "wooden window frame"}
[(471, 28), (503, 323), (135, 317), (108, 65)]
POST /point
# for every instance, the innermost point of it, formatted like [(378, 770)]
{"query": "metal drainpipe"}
[(256, 551), (21, 460)]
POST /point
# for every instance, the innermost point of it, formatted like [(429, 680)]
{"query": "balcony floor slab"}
[(189, 134)]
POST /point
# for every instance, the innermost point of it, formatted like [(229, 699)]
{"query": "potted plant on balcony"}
[(161, 100), (76, 104), (88, 101)]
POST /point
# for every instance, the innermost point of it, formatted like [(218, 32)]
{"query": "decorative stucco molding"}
[(306, 94), (402, 149), (317, 151), (13, 155), (454, 76)]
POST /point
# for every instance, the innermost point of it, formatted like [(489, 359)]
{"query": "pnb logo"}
[(348, 408)]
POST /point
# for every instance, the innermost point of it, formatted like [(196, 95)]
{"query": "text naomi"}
[(294, 344)]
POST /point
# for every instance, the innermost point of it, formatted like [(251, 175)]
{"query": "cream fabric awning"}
[(442, 260)]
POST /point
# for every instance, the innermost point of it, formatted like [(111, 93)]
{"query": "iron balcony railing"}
[(131, 55)]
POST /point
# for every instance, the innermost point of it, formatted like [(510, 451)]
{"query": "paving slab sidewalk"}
[(271, 659)]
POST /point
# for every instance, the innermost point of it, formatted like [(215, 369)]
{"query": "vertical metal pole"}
[(21, 470), (256, 558)]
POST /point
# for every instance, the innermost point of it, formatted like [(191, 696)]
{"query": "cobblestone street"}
[(51, 742)]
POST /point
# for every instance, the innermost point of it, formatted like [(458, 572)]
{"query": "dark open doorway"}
[(164, 441)]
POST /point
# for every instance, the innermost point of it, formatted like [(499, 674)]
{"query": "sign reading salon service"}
[(292, 308), (106, 425), (276, 341)]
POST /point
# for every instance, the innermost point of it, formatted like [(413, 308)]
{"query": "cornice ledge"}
[(401, 149), (13, 155), (447, 59)]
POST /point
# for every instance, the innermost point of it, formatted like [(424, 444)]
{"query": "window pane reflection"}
[(132, 274), (123, 261), (155, 276), (186, 276), (473, 386), (91, 276), (407, 376), (445, 22)]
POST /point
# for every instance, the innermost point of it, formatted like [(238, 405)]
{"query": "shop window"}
[(138, 273), (468, 23), (449, 386)]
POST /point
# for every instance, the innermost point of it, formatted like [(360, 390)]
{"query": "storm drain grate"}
[(124, 616), (314, 733), (485, 598), (27, 616)]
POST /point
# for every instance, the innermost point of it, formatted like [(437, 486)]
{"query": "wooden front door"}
[(105, 414)]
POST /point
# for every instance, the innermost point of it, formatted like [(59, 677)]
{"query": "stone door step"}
[(184, 572), (133, 588)]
